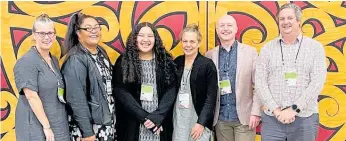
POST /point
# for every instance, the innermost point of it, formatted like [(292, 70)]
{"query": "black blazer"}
[(130, 113), (204, 87), (85, 91)]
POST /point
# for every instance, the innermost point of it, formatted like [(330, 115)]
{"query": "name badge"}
[(109, 86), (61, 95), (147, 93), (291, 78), (184, 100), (225, 86)]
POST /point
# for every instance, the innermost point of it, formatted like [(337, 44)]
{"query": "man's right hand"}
[(91, 138)]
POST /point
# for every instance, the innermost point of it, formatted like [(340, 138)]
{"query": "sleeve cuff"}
[(29, 86), (157, 119), (256, 112), (201, 122), (299, 105), (271, 106), (88, 134)]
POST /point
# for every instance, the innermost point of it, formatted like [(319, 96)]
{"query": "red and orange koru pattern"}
[(323, 21)]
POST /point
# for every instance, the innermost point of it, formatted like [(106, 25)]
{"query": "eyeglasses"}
[(89, 29), (43, 34)]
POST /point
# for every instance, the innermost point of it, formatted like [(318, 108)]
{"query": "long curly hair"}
[(131, 64)]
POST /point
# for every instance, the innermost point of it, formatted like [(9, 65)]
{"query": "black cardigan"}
[(203, 84), (129, 112)]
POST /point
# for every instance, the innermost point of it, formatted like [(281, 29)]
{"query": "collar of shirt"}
[(299, 38), (233, 47)]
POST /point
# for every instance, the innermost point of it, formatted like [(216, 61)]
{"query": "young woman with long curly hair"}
[(144, 87)]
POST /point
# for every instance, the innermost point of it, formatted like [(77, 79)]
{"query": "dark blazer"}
[(130, 113), (204, 86), (85, 91)]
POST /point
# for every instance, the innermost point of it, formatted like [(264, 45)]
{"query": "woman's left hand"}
[(197, 131)]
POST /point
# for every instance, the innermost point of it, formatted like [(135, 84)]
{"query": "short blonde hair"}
[(192, 28)]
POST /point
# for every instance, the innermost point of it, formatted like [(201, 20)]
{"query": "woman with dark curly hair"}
[(144, 86)]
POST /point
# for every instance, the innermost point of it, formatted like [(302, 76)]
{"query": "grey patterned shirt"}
[(310, 67)]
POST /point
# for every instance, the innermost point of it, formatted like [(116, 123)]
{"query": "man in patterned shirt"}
[(237, 112), (290, 74)]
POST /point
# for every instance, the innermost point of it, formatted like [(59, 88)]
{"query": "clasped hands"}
[(149, 125), (285, 116), (196, 131)]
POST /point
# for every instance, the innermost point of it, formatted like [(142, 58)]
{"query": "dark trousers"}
[(302, 129)]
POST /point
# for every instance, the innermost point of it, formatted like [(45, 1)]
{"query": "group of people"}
[(147, 95)]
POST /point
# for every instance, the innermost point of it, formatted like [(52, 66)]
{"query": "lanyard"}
[(100, 62), (186, 78), (53, 65), (282, 55)]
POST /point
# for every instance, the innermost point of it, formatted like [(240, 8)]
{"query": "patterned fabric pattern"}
[(311, 73), (149, 78), (228, 70)]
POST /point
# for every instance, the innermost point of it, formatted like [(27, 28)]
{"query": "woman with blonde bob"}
[(197, 78)]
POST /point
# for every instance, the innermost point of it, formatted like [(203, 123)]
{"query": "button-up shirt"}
[(310, 66), (227, 68)]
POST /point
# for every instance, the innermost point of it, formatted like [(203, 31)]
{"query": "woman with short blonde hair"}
[(40, 112)]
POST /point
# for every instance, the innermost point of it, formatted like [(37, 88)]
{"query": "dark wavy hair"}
[(131, 64), (71, 37)]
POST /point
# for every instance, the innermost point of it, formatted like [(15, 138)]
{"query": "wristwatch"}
[(295, 108)]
